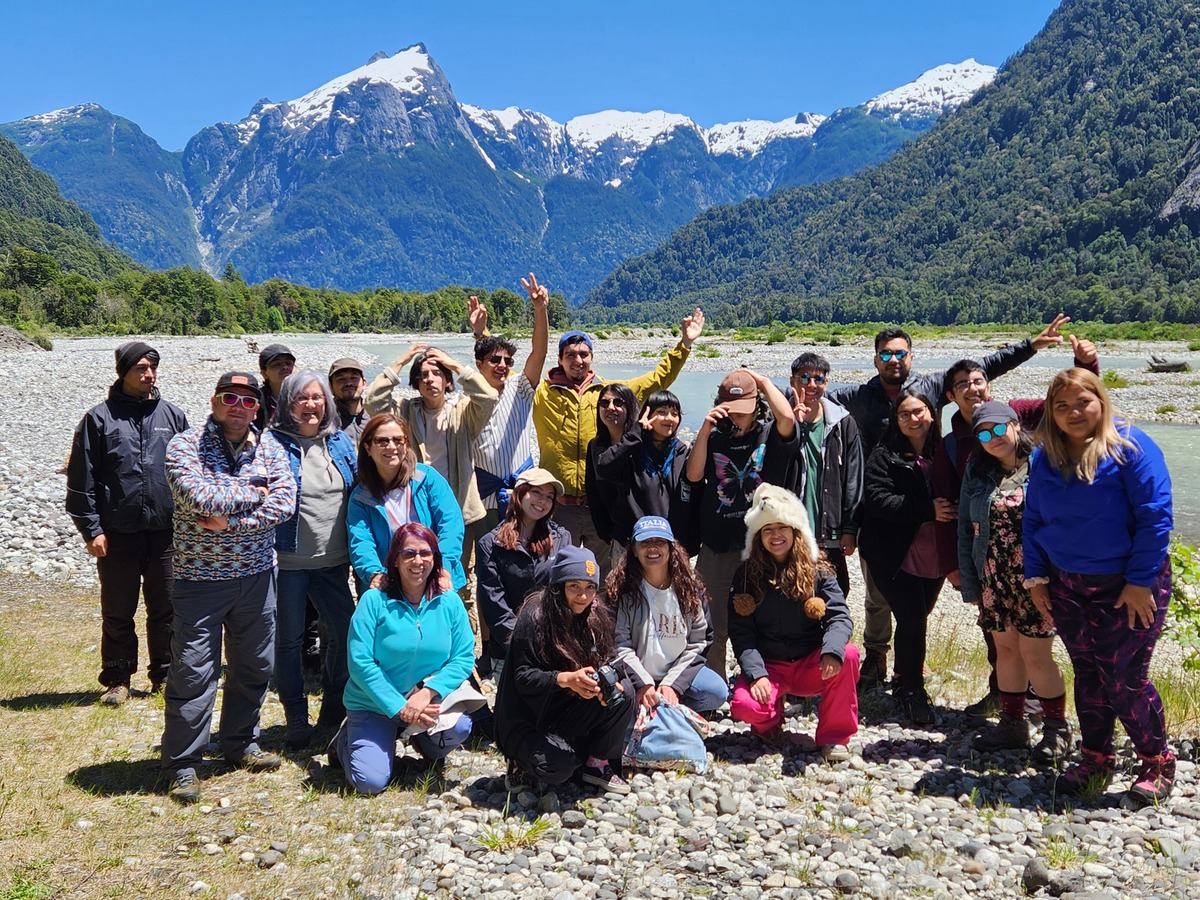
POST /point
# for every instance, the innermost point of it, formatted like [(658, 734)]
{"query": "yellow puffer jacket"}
[(565, 419)]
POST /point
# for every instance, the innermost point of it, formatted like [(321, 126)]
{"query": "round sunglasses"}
[(1000, 429)]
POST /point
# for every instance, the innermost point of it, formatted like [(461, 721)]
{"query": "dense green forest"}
[(36, 294), (1065, 184)]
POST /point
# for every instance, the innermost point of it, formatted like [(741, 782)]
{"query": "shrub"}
[(1165, 408), (1112, 380)]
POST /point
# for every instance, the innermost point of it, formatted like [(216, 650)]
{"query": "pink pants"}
[(837, 714)]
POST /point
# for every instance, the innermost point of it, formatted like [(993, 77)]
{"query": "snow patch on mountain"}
[(636, 130), (748, 137), (941, 88), (59, 115), (406, 71)]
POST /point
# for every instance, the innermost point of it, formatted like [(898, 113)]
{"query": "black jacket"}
[(505, 578), (842, 478), (898, 501), (620, 473), (871, 406), (779, 630), (116, 478)]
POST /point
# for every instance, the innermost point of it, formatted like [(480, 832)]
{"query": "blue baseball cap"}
[(648, 527), (573, 337), (574, 564)]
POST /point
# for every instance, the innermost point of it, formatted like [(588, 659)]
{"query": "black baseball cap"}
[(241, 380)]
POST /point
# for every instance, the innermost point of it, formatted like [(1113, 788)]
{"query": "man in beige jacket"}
[(443, 425)]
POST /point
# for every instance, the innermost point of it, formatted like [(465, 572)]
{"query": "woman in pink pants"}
[(790, 627)]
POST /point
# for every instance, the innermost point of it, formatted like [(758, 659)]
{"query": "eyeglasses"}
[(500, 360), (806, 378), (410, 553), (998, 430), (384, 441), (889, 355), (972, 383), (615, 402), (309, 398), (228, 398), (909, 415)]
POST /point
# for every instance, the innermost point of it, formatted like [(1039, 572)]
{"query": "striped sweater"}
[(206, 481)]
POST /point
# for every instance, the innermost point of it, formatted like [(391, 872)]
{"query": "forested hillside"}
[(1065, 184)]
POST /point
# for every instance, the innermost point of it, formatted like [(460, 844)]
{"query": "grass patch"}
[(514, 834), (1112, 380), (1165, 408), (1193, 346), (1061, 853)]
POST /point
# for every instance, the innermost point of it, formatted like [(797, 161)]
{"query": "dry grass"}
[(82, 811)]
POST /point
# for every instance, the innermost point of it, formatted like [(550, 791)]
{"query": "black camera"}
[(725, 427), (608, 678)]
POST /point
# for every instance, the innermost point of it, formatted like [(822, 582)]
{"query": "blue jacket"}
[(370, 533), (341, 451), (393, 646), (1119, 524)]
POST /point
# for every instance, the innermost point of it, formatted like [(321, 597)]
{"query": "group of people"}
[(602, 565)]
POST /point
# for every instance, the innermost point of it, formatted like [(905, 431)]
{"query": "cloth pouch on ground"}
[(461, 701), (668, 737)]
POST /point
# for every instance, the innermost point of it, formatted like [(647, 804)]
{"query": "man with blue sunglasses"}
[(870, 404)]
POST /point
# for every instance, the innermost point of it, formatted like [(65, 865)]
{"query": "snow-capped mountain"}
[(382, 176), (940, 89)]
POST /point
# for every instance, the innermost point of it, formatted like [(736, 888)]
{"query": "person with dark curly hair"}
[(663, 623), (552, 719), (790, 626)]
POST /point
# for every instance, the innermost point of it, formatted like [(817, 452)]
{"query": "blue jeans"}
[(329, 590), (707, 691), (366, 746)]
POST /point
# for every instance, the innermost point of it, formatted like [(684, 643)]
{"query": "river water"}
[(696, 390)]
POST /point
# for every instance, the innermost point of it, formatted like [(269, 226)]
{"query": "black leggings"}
[(911, 599), (594, 730)]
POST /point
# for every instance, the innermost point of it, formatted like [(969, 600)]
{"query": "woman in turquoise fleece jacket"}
[(409, 647)]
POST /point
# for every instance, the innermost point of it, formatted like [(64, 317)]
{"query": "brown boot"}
[(873, 671)]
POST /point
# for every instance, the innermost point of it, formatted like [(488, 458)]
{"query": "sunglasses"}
[(615, 402), (889, 355), (998, 430), (811, 379), (500, 360), (410, 553), (228, 398), (383, 441)]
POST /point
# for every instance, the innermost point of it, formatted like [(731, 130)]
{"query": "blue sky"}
[(174, 68)]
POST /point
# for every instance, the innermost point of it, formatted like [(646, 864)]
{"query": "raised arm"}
[(668, 370), (781, 409), (379, 394), (539, 298)]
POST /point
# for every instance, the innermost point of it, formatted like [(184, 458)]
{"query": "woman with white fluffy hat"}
[(790, 627)]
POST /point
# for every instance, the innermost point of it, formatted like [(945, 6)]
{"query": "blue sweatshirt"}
[(394, 645), (1119, 524)]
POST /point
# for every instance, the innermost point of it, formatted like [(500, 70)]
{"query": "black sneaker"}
[(185, 788), (298, 736), (1010, 733), (517, 779), (256, 760), (986, 706), (873, 671)]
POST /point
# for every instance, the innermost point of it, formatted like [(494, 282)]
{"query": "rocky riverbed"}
[(916, 813)]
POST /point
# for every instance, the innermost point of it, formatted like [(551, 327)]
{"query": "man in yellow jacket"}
[(564, 414)]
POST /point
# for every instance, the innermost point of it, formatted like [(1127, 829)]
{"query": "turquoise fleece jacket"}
[(394, 645)]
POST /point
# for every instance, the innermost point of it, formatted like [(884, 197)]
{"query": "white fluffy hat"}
[(771, 504)]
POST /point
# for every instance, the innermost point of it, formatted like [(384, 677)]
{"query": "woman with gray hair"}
[(313, 553)]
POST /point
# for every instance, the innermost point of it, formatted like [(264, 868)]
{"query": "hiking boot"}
[(873, 671), (185, 788), (1010, 733), (835, 753), (331, 750), (604, 778), (299, 735), (1091, 775), (917, 706), (1154, 780), (256, 760), (1055, 745), (986, 706), (115, 695), (517, 779)]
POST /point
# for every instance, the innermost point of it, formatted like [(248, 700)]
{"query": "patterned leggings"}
[(1111, 660)]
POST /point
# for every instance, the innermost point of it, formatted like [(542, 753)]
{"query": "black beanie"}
[(130, 352)]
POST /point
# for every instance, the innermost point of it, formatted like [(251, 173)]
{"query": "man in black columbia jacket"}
[(118, 497)]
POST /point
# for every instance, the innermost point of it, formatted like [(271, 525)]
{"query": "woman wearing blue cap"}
[(663, 624), (556, 713)]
